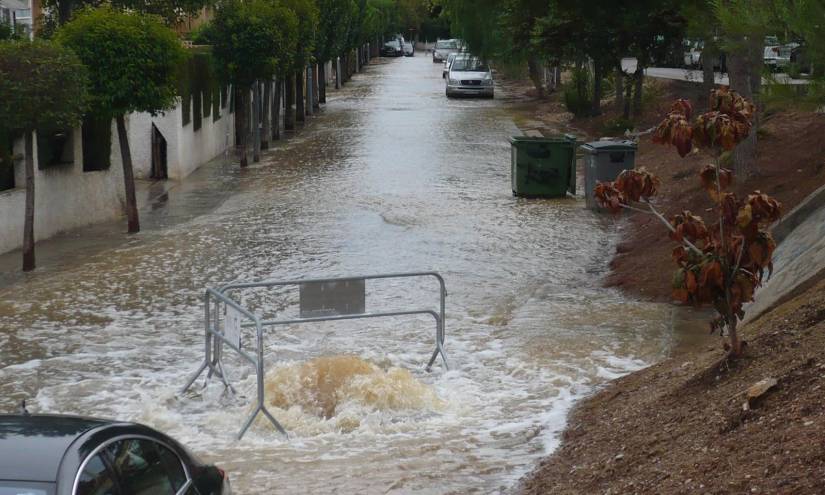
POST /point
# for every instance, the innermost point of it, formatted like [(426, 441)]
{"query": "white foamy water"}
[(384, 181)]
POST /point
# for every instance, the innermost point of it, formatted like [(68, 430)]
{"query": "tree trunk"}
[(322, 83), (316, 99), (638, 81), (276, 110), (628, 97), (256, 122), (535, 76), (289, 101), (64, 11), (338, 73), (310, 90), (709, 56), (300, 109), (581, 86), (267, 131), (28, 222), (735, 343), (619, 83), (241, 123), (596, 107), (745, 70), (128, 175)]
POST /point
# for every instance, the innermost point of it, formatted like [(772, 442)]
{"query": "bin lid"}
[(609, 145), (561, 138)]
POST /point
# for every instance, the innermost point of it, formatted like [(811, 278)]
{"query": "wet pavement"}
[(390, 177)]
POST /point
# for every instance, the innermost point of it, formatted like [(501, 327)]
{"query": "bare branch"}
[(664, 220)]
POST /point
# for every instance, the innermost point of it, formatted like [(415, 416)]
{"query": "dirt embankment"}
[(791, 165), (683, 426)]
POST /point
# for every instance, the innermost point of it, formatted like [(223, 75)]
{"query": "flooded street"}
[(390, 177)]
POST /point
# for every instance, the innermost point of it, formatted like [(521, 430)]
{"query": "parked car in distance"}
[(71, 455), (392, 48), (693, 54), (443, 48), (447, 63), (469, 76), (778, 57), (409, 49)]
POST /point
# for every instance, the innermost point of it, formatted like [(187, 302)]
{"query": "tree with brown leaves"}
[(721, 264)]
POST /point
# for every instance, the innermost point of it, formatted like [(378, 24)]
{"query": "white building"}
[(17, 14)]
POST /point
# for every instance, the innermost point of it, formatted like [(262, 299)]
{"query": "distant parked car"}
[(778, 57), (409, 49), (443, 48), (469, 76), (392, 48), (693, 54), (447, 63), (70, 455)]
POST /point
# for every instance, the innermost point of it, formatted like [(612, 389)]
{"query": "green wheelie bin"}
[(543, 166)]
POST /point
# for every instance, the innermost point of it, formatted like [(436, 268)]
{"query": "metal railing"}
[(215, 337)]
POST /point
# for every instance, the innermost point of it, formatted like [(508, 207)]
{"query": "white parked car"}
[(778, 57), (469, 76), (443, 48), (447, 63)]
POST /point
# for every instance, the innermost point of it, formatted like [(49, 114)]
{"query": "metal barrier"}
[(322, 299)]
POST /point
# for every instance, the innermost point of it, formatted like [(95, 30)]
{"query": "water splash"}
[(336, 392)]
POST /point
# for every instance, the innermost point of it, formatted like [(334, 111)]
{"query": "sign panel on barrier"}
[(330, 298), (232, 326)]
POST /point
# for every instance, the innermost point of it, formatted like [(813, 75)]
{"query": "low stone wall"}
[(187, 149)]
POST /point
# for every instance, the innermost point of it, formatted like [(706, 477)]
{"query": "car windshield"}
[(446, 45), (469, 65), (393, 44)]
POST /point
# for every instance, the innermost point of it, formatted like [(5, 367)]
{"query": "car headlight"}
[(454, 82)]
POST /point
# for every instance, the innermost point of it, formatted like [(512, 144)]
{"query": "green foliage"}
[(307, 13), (617, 126), (575, 102), (132, 59), (172, 12), (335, 22), (577, 92), (43, 86), (7, 32), (252, 40)]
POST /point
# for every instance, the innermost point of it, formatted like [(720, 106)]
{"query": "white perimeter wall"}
[(186, 149), (66, 197)]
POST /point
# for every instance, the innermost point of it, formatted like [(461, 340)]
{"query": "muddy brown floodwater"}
[(390, 177)]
